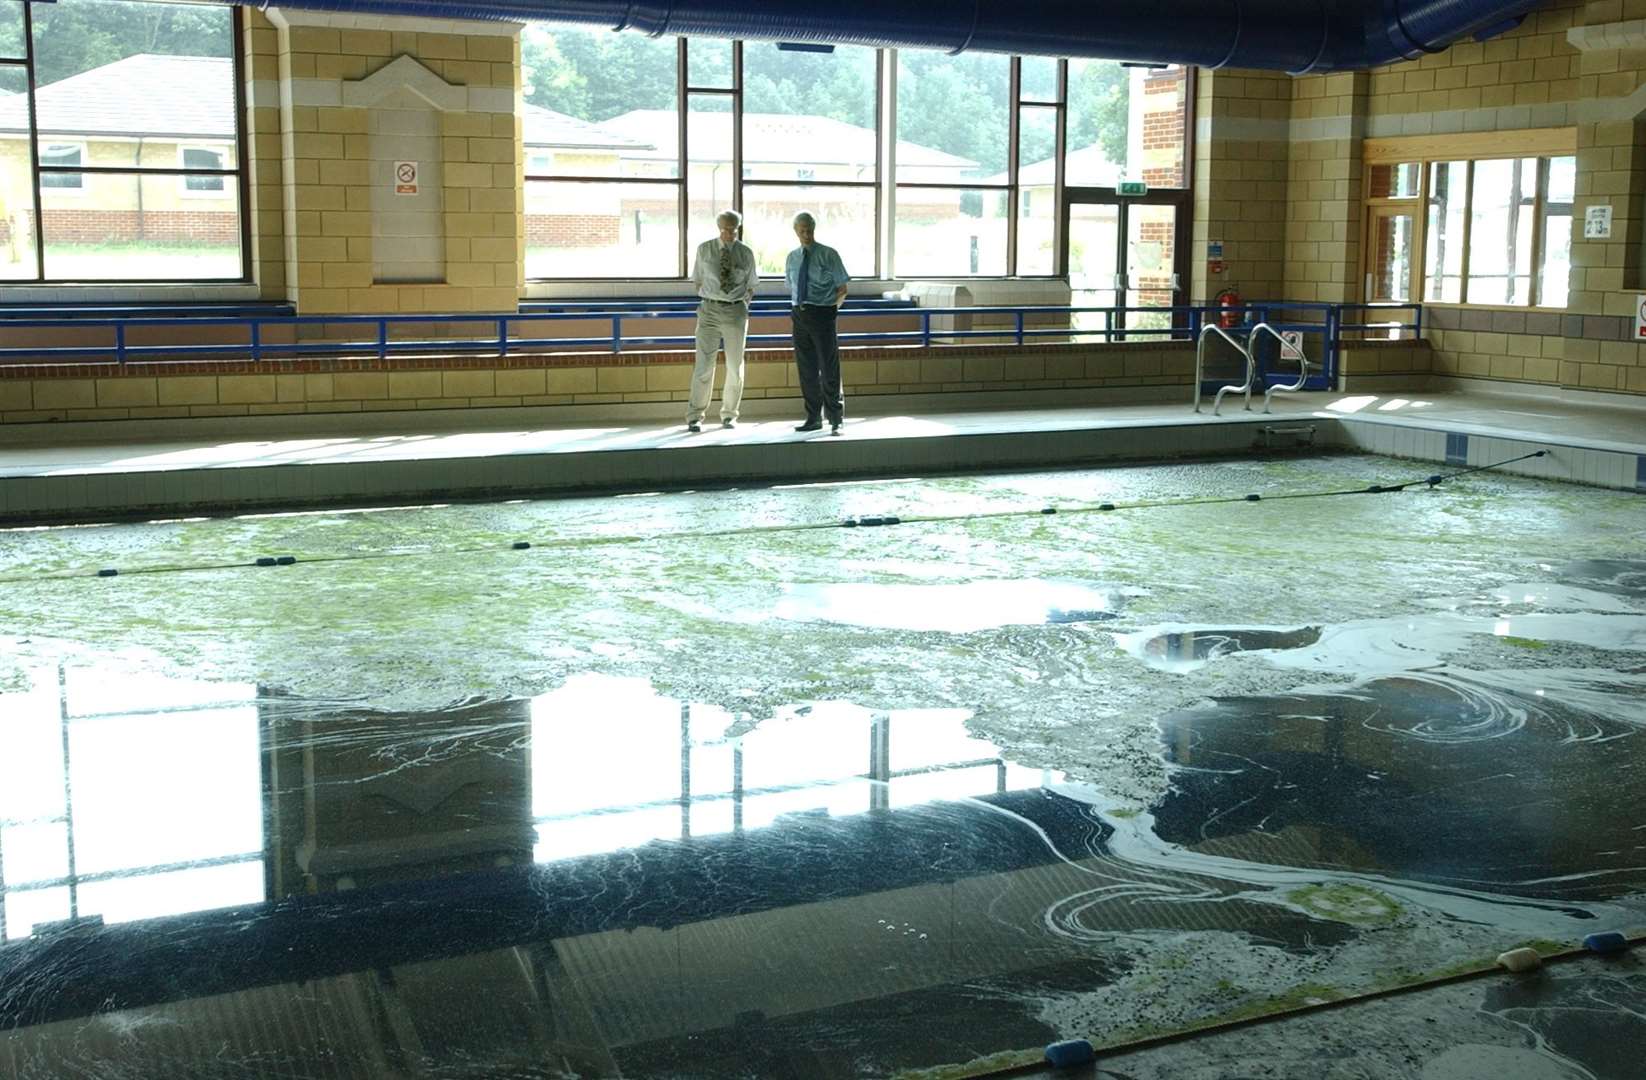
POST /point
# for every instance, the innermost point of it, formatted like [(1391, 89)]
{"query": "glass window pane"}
[(934, 145), (595, 230), (24, 909), (1039, 80), (708, 64), (1151, 262), (599, 103), (845, 222), (116, 75), (710, 184), (949, 232), (16, 186), (140, 783), (1394, 181), (11, 30), (149, 896), (38, 852), (1562, 179), (204, 157), (809, 116), (61, 155), (1500, 236), (1391, 258), (126, 227), (1125, 123), (1036, 207), (1443, 234), (1557, 260)]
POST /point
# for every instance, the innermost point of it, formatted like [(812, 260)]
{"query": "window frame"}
[(885, 185), (75, 172), (183, 182), (1426, 151), (240, 171)]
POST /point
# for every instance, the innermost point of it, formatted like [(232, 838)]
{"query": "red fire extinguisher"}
[(1228, 298)]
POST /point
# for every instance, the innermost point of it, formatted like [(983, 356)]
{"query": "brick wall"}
[(239, 388), (572, 230), (1163, 127), (90, 226)]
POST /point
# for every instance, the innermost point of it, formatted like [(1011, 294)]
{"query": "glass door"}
[(1094, 265), (1151, 266), (1125, 254)]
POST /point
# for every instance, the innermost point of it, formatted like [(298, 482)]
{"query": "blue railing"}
[(263, 337)]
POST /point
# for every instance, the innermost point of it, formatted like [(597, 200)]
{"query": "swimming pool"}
[(707, 784)]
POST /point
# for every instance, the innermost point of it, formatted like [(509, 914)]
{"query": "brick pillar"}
[(338, 184), (1323, 207), (1241, 125)]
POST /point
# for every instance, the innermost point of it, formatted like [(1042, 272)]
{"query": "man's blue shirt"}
[(825, 275)]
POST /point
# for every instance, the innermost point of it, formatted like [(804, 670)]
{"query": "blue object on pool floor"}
[(1607, 941), (1069, 1053)]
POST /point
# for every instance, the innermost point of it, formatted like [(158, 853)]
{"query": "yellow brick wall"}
[(641, 379), (327, 179), (1240, 181)]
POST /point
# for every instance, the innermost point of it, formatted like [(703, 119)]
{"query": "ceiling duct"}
[(1296, 36)]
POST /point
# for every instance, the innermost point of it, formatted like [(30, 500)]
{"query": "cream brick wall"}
[(327, 225), (1241, 151), (663, 377)]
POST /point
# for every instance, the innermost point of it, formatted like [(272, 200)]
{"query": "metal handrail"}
[(1200, 367), (1302, 359)]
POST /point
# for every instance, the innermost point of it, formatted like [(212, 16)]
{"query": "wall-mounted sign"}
[(1214, 256), (1131, 187), (1291, 344), (1597, 223), (405, 178), (1640, 318)]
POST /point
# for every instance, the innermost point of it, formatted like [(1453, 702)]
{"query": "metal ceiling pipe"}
[(1296, 36)]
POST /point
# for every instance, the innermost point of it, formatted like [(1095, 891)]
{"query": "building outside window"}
[(772, 131), (136, 133)]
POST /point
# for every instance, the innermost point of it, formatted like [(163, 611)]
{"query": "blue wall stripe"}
[(1457, 448)]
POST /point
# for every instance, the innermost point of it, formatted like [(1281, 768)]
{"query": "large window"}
[(127, 167), (103, 778), (1491, 230), (633, 145)]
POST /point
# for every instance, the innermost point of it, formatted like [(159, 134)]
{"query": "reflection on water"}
[(1186, 649), (1359, 781), (956, 608), (602, 881)]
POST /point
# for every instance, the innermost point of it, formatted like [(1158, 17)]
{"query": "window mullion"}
[(1468, 225), (1534, 293)]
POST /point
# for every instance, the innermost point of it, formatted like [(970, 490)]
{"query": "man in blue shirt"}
[(817, 287)]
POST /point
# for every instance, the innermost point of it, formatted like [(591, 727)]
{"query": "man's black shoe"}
[(694, 427), (811, 425), (834, 429)]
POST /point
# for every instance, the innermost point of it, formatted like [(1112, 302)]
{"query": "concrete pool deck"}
[(81, 471)]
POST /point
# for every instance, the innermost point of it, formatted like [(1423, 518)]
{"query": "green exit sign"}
[(1132, 187)]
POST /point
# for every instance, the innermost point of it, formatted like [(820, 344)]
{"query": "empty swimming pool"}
[(717, 784)]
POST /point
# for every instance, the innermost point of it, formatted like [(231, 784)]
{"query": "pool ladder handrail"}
[(1200, 366), (1302, 361)]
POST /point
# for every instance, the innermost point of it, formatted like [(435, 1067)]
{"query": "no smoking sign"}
[(405, 178)]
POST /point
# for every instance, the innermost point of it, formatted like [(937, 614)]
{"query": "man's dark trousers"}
[(817, 356)]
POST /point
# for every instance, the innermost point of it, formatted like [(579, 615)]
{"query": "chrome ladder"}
[(1302, 361), (1200, 366)]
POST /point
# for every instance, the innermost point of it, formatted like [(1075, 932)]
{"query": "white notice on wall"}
[(1640, 318), (405, 178), (1597, 223), (1291, 344)]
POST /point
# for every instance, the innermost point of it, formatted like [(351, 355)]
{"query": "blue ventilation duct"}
[(1296, 36)]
